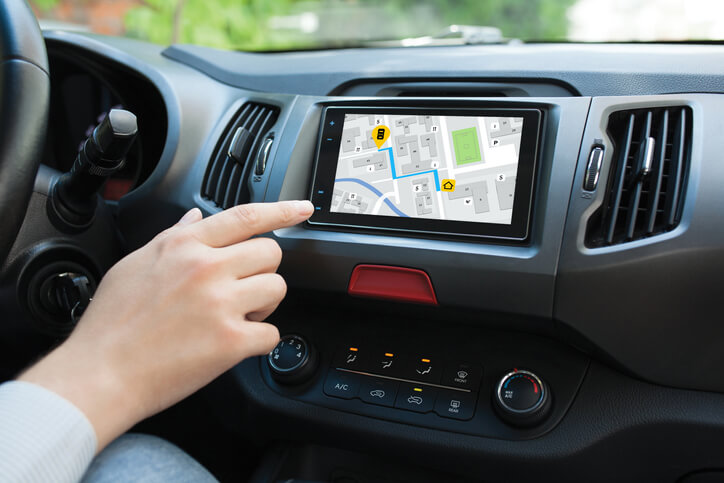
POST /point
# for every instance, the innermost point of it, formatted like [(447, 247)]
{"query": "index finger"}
[(244, 221)]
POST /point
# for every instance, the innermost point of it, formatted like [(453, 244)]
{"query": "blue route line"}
[(375, 191), (394, 175)]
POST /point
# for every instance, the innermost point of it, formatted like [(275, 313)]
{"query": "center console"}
[(484, 385), (456, 203), (503, 257)]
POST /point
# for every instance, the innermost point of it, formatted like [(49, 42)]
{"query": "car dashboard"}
[(585, 349)]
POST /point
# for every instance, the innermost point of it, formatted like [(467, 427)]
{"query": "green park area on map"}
[(467, 148)]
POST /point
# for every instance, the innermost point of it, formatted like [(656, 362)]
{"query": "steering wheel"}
[(24, 101)]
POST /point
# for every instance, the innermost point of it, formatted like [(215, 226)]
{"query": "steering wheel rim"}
[(24, 102)]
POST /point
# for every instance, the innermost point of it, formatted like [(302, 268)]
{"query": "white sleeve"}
[(43, 437)]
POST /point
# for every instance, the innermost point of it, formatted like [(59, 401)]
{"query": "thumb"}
[(256, 339), (191, 216)]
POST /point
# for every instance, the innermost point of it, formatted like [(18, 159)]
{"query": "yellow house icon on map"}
[(448, 185)]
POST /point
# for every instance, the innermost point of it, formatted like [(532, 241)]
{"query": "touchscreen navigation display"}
[(438, 167), (452, 172)]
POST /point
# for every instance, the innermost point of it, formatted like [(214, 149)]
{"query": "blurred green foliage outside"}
[(290, 24)]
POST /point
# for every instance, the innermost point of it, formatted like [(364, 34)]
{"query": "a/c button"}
[(340, 384)]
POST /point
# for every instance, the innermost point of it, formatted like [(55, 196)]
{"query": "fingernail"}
[(194, 214), (304, 207)]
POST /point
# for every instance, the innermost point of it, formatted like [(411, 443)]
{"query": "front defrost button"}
[(462, 375)]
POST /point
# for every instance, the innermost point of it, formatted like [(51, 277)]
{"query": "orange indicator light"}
[(389, 354), (353, 349), (425, 360)]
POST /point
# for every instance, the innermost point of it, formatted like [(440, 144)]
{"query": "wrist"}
[(91, 386)]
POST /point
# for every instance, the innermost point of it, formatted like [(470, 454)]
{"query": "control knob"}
[(521, 398), (293, 360)]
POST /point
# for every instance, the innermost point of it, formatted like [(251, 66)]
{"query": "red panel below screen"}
[(392, 283)]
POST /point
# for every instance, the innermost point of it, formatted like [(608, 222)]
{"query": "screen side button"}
[(341, 384)]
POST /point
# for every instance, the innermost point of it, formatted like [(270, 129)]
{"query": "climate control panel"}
[(484, 387), (417, 382)]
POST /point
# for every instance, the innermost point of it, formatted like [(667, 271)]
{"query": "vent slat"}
[(214, 171), (242, 191), (650, 165), (212, 179), (253, 122), (225, 181), (248, 112), (637, 180), (675, 176), (232, 188), (633, 212), (657, 173), (618, 184)]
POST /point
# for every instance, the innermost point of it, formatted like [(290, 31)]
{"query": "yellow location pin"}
[(380, 135)]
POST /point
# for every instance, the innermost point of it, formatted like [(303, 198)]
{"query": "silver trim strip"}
[(404, 380), (648, 156)]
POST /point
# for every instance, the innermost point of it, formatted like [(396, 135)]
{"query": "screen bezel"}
[(325, 170)]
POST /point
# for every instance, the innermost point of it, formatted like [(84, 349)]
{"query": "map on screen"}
[(460, 168)]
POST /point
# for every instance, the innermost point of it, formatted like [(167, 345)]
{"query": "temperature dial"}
[(522, 398), (292, 361)]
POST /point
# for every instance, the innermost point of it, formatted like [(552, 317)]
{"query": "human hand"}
[(172, 316)]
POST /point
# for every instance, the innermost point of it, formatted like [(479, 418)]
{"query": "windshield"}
[(264, 25)]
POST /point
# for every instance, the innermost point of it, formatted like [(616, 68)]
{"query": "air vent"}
[(225, 180), (645, 191)]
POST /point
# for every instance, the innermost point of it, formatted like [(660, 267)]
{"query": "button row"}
[(386, 392), (414, 367)]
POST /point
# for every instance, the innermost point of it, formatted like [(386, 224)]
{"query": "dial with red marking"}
[(522, 398)]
